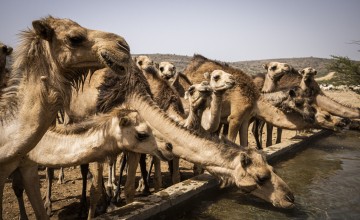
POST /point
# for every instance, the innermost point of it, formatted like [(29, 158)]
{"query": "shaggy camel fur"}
[(91, 140), (232, 164), (4, 73), (51, 57)]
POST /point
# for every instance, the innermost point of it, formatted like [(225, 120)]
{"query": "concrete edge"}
[(146, 207)]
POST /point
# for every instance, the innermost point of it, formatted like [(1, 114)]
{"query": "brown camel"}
[(53, 55), (234, 165)]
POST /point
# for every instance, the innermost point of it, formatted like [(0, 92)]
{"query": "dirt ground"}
[(66, 196)]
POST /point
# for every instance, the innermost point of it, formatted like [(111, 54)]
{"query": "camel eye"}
[(4, 48), (140, 63), (141, 136), (162, 69), (216, 77), (262, 179), (273, 68), (76, 40), (191, 90)]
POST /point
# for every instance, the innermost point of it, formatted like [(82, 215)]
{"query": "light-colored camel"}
[(199, 97), (4, 73), (52, 56), (91, 140), (168, 72), (234, 165), (220, 82)]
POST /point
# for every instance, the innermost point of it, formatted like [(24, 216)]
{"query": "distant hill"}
[(250, 67)]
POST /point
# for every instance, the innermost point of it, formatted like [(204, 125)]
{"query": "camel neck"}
[(212, 115), (269, 84), (193, 121), (218, 158), (63, 150)]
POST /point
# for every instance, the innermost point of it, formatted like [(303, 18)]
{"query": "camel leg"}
[(31, 183), (261, 129), (129, 189), (61, 179), (18, 188), (5, 171), (110, 179), (96, 187), (255, 131), (116, 197), (157, 174), (269, 130), (175, 177), (243, 133), (278, 137), (144, 186), (49, 178), (84, 168)]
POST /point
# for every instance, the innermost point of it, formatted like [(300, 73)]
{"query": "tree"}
[(348, 71)]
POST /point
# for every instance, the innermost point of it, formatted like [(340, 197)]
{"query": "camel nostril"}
[(123, 46), (290, 197), (169, 146)]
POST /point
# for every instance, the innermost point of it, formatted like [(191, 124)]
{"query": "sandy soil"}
[(66, 196)]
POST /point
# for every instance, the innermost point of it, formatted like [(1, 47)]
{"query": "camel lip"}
[(112, 62), (226, 86)]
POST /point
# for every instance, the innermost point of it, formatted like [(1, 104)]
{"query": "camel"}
[(232, 164), (88, 141), (199, 96), (168, 72), (4, 73), (53, 56)]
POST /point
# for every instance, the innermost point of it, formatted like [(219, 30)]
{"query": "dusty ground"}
[(66, 196)]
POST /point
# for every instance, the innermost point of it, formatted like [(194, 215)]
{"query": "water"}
[(325, 179)]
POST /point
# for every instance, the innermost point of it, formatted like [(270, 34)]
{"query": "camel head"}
[(74, 49), (134, 134), (199, 95), (167, 70), (308, 74), (297, 102), (143, 62), (326, 120), (220, 81), (255, 176), (275, 70)]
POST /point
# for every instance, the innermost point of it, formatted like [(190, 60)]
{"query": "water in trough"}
[(325, 179)]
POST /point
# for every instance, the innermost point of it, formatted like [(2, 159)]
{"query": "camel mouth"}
[(228, 85), (113, 63)]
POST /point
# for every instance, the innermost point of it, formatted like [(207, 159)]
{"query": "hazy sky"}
[(227, 30)]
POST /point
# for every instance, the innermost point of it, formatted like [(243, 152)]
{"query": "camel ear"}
[(301, 72), (186, 95), (124, 121), (207, 76), (9, 51), (43, 30), (265, 66), (245, 160), (156, 65)]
